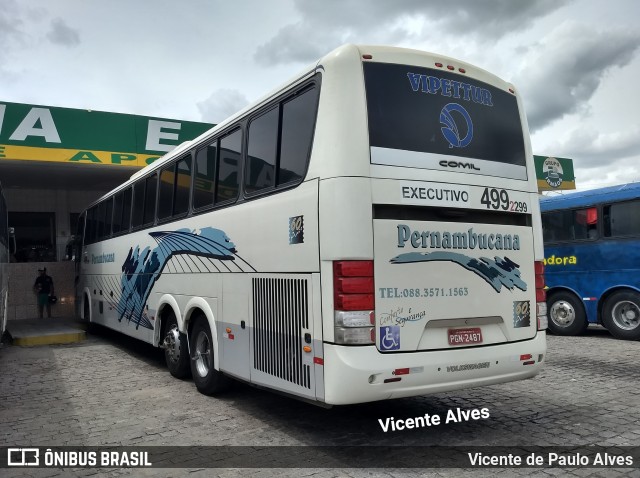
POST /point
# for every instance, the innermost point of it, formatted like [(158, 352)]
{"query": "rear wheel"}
[(176, 353), (621, 315), (208, 380), (566, 314)]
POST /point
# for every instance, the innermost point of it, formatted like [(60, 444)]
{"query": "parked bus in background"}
[(5, 251), (592, 250), (369, 230)]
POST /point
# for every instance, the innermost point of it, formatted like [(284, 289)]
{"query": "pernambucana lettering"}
[(457, 240)]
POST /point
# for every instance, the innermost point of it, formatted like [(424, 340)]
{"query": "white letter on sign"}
[(47, 127), (155, 134)]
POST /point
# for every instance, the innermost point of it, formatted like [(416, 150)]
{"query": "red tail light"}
[(541, 295), (353, 285), (353, 302)]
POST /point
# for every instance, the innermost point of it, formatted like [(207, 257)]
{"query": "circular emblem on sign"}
[(451, 125), (552, 172)]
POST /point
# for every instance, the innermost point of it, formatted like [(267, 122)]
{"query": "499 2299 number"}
[(497, 199)]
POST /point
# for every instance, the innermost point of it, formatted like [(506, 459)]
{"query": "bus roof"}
[(379, 53), (592, 197)]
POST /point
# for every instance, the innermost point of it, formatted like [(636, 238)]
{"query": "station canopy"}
[(45, 147)]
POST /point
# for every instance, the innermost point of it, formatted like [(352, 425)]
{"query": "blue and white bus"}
[(592, 259), (369, 230)]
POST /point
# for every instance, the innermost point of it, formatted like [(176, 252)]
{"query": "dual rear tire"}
[(208, 380), (620, 314), (194, 359), (176, 351), (566, 314)]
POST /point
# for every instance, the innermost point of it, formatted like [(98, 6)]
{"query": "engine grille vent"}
[(280, 316)]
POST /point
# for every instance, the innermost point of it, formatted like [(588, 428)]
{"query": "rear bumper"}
[(358, 374)]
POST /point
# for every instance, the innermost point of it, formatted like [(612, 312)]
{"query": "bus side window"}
[(183, 186), (126, 210), (91, 225), (117, 212), (298, 121), (557, 226), (227, 184), (138, 203), (606, 220), (165, 192), (100, 221), (150, 199), (262, 152), (204, 176), (585, 224), (623, 219), (108, 218)]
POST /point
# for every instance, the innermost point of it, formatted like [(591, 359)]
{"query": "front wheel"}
[(621, 315), (208, 380), (566, 314)]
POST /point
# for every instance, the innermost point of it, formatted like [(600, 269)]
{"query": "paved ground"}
[(111, 390)]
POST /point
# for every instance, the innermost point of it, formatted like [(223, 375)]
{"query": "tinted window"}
[(138, 203), (622, 219), (126, 210), (434, 111), (229, 162), (568, 225), (100, 221), (91, 225), (117, 213), (204, 176), (298, 120), (183, 186), (150, 199), (262, 152), (165, 195), (107, 218)]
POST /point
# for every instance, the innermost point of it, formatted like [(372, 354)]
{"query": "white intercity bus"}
[(369, 230)]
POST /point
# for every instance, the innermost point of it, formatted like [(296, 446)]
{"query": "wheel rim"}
[(202, 354), (626, 315), (562, 313), (172, 344)]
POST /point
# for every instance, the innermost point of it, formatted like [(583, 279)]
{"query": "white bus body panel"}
[(358, 374), (224, 289), (270, 297)]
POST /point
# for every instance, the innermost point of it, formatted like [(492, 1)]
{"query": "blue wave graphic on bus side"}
[(209, 250), (498, 272)]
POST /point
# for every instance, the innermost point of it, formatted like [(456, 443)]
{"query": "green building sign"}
[(45, 133), (554, 174)]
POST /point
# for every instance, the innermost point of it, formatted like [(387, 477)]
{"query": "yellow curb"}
[(53, 339)]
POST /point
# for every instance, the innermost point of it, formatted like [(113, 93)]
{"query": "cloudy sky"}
[(574, 61)]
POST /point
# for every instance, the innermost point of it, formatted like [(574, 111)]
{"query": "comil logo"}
[(453, 130), (23, 457)]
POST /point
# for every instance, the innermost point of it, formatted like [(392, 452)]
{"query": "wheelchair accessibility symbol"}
[(390, 337)]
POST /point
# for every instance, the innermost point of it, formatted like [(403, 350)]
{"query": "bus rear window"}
[(419, 117)]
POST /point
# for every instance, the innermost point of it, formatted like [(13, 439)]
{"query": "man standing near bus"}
[(43, 287)]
